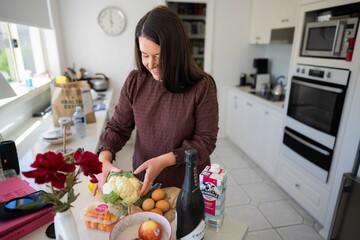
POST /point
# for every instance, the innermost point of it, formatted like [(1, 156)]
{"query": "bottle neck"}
[(191, 180)]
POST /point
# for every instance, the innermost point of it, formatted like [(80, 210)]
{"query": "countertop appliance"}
[(345, 224), (261, 65), (262, 81), (329, 39), (316, 100), (99, 83), (261, 75), (257, 79)]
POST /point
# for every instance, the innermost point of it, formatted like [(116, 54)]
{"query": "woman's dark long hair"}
[(177, 68)]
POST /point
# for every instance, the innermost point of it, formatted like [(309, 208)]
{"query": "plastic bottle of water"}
[(79, 123)]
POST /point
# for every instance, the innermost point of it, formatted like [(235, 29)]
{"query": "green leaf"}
[(148, 195), (112, 197), (127, 174)]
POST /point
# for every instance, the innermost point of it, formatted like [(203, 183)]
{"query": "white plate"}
[(127, 227), (55, 136)]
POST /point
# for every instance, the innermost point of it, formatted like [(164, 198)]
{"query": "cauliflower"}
[(123, 188)]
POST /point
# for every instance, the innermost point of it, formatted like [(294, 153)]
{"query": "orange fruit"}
[(163, 205), (148, 204), (158, 194), (156, 210)]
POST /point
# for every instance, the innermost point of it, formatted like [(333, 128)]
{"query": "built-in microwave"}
[(329, 39)]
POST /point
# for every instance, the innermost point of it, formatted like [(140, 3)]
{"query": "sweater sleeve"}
[(206, 122), (118, 130)]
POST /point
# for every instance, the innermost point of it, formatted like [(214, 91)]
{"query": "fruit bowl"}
[(128, 227)]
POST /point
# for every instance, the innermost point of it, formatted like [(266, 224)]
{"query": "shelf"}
[(198, 55), (192, 17), (196, 36)]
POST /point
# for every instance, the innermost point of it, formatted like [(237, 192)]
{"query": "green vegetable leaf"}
[(128, 174), (112, 197), (148, 195)]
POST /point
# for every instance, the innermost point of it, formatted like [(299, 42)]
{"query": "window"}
[(21, 52)]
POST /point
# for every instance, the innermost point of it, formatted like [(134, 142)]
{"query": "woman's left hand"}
[(153, 167)]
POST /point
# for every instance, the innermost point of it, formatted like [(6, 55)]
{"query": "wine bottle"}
[(190, 203)]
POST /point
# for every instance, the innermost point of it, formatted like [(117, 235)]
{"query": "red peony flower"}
[(89, 163), (52, 168)]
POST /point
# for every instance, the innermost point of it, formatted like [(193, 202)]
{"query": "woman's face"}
[(150, 54)]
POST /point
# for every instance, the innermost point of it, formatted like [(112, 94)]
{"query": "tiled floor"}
[(253, 198)]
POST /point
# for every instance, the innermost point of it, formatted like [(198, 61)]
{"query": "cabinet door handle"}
[(266, 113), (297, 185), (249, 104)]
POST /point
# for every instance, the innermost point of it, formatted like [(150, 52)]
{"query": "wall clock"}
[(112, 21)]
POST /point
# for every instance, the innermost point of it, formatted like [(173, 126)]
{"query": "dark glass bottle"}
[(190, 202)]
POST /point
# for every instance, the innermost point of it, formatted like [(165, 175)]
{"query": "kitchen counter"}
[(32, 144), (246, 90)]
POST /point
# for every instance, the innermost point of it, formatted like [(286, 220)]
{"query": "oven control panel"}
[(331, 75)]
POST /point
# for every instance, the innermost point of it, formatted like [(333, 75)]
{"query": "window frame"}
[(15, 55)]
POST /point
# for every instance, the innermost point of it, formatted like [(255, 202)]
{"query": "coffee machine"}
[(261, 77)]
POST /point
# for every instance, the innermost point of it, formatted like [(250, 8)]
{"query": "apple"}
[(150, 230)]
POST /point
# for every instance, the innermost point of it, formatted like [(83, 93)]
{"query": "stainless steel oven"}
[(314, 111)]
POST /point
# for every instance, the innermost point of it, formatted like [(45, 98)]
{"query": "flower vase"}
[(65, 226)]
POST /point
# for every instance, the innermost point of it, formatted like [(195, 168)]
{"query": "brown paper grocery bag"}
[(65, 97), (171, 194)]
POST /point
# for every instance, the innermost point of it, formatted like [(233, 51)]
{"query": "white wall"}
[(232, 54), (85, 45), (82, 42), (279, 58)]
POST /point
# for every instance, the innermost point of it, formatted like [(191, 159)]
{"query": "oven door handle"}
[(325, 88), (339, 34), (310, 145)]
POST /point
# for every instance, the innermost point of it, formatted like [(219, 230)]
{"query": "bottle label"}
[(79, 120), (197, 234)]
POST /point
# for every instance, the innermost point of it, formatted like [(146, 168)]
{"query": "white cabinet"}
[(271, 141), (285, 14), (234, 118), (259, 24), (271, 14), (265, 131), (255, 128), (311, 194)]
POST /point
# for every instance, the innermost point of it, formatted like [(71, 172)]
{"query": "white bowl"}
[(127, 227)]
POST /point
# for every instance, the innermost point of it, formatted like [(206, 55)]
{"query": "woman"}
[(169, 99)]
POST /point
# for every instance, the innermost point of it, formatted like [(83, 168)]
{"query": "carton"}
[(213, 187)]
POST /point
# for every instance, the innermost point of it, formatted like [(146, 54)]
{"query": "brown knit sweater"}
[(165, 122)]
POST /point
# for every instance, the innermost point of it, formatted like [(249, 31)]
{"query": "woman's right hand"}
[(107, 168)]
